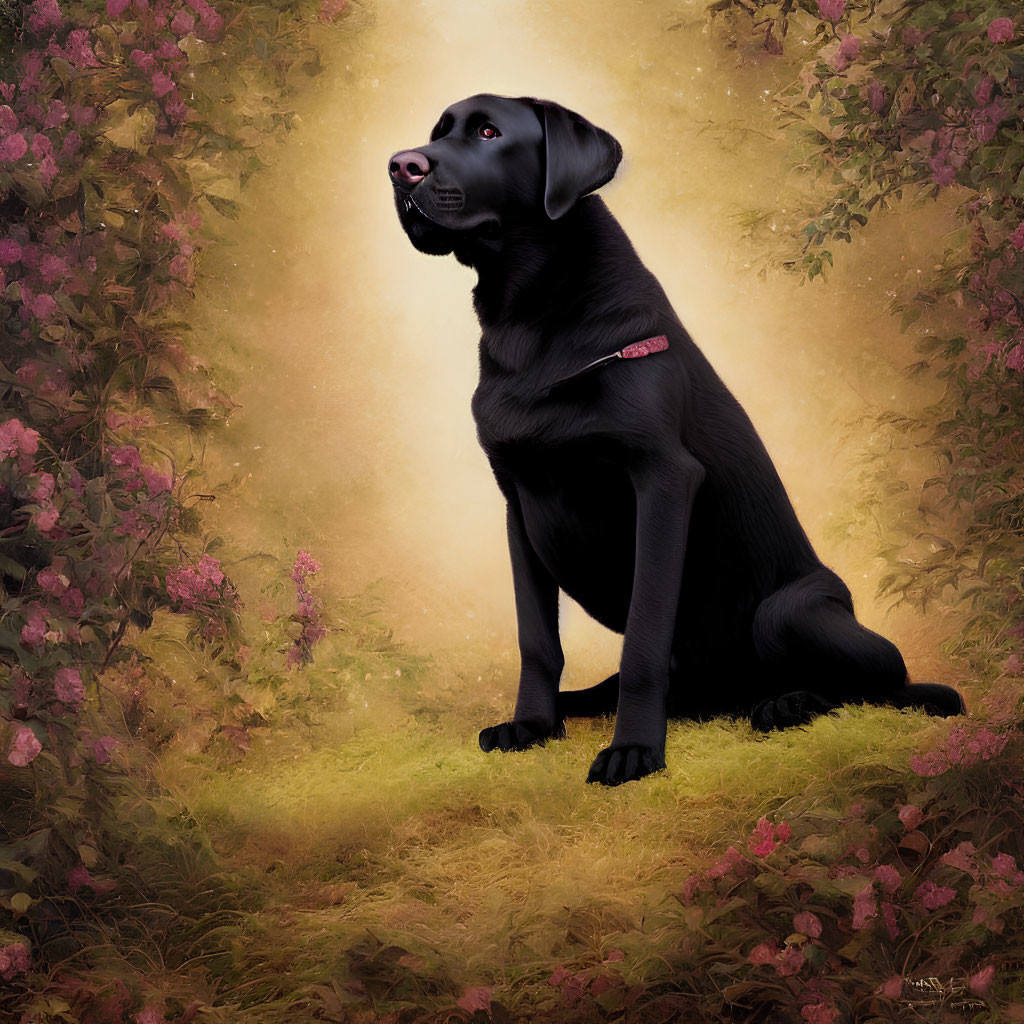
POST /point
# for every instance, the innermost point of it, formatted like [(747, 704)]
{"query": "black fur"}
[(640, 488)]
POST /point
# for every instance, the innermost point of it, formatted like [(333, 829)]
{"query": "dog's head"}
[(492, 161)]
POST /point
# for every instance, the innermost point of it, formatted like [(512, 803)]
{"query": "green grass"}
[(386, 817)]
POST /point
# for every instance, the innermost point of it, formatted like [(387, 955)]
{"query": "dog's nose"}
[(408, 167)]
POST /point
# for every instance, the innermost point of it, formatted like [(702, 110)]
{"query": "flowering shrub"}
[(307, 611), (117, 147), (923, 101)]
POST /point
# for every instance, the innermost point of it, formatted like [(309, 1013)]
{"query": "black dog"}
[(635, 481)]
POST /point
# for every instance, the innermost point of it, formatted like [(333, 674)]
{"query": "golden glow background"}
[(354, 356)]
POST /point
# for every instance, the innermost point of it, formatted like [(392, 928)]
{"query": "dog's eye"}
[(488, 131)]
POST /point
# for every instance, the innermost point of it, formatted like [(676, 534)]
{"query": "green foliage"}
[(922, 101)]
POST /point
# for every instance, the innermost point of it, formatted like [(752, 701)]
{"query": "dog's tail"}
[(601, 699)]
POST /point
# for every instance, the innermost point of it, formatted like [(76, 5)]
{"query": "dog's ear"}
[(580, 157)]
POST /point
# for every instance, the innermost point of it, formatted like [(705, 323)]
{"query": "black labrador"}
[(635, 482)]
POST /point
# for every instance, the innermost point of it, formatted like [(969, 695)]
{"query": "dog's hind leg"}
[(590, 702), (818, 656)]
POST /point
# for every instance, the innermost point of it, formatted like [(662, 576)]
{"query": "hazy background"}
[(354, 356)]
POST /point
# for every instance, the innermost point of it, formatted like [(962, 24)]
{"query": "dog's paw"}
[(616, 765), (519, 735), (797, 708)]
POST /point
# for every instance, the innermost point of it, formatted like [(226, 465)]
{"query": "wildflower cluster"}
[(307, 613)]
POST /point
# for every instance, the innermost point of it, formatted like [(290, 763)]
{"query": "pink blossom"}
[(913, 37), (1000, 30), (888, 877), (35, 629), (765, 837), (44, 489), (981, 982), (983, 91), (73, 602), (764, 953), (831, 10), (942, 172), (156, 482), (115, 8), (14, 959), (305, 565), (1015, 361), (818, 1013), (8, 119), (44, 15), (142, 60), (183, 23), (56, 115), (67, 684), (893, 987), (152, 1014), (961, 747), (935, 896), (24, 746), (127, 458), (104, 747), (10, 252), (179, 268), (13, 148), (1004, 865), (962, 858), (477, 998), (45, 519), (864, 906), (807, 923), (79, 877), (162, 84), (876, 97), (51, 582), (330, 9)]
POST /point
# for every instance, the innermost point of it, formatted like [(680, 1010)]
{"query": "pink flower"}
[(913, 37), (46, 518), (305, 565), (1004, 865), (79, 877), (962, 858), (477, 998), (24, 746), (162, 84), (1000, 30), (67, 684), (142, 60), (887, 877), (864, 906), (51, 582), (764, 953), (876, 97), (10, 252), (44, 489), (183, 23), (14, 959), (911, 815), (942, 172), (17, 441), (893, 987), (983, 91), (8, 119), (83, 116), (115, 8), (151, 1014), (981, 982), (807, 923), (104, 747), (73, 602), (13, 148), (1015, 361), (765, 837), (35, 629), (818, 1013), (45, 16), (156, 482), (831, 10), (935, 896), (330, 9)]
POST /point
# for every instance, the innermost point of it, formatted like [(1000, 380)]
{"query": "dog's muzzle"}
[(449, 199)]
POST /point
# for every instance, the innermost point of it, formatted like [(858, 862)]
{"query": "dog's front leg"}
[(665, 490), (540, 651)]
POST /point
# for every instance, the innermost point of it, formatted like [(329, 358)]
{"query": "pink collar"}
[(636, 350)]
